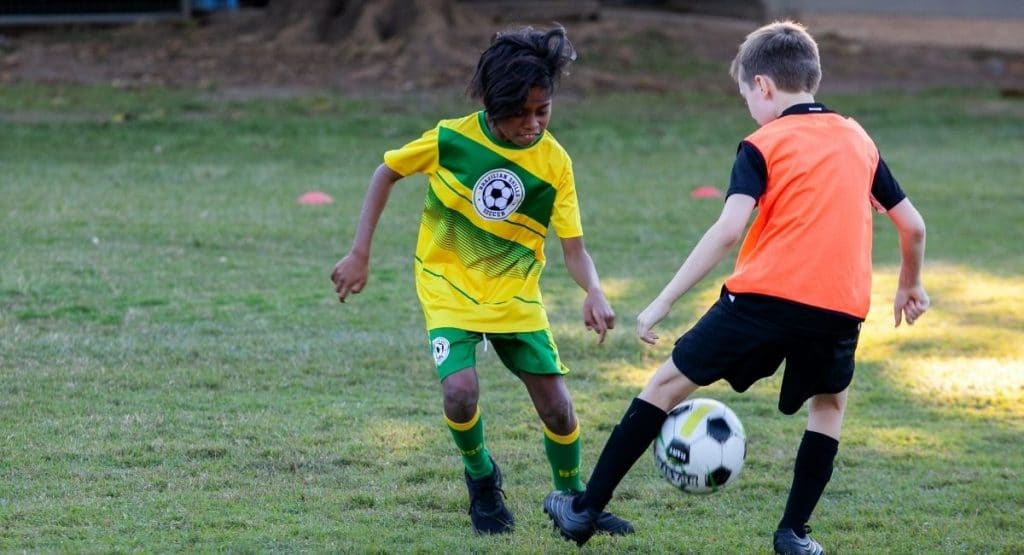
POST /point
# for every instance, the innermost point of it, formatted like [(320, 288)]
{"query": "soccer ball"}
[(701, 446), (497, 195)]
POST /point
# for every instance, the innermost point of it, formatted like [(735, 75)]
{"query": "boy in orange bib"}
[(800, 289)]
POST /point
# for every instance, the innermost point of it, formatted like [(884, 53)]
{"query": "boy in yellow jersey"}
[(497, 181), (800, 289)]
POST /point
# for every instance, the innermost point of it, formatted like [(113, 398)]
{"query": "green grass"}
[(178, 376)]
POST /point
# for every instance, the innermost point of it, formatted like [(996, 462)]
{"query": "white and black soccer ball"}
[(497, 195), (701, 446)]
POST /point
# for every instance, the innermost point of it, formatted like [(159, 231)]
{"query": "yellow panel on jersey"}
[(480, 250)]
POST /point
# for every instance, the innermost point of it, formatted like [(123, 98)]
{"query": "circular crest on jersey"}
[(497, 194), (441, 349)]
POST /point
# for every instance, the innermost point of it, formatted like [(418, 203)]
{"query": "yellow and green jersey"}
[(480, 250)]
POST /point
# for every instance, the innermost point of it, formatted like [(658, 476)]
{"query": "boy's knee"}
[(667, 387), (558, 419), (461, 392), (555, 409), (825, 414), (829, 402)]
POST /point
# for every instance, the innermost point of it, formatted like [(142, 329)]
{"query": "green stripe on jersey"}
[(468, 160), (476, 248)]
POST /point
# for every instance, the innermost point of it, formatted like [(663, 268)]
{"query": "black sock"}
[(811, 473), (634, 434)]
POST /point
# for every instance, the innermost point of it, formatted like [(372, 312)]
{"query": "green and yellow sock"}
[(564, 457), (469, 438)]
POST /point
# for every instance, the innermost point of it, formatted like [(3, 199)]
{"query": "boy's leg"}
[(462, 415), (811, 471), (455, 355), (575, 516), (487, 510), (533, 356), (633, 435), (825, 413), (563, 453), (554, 405)]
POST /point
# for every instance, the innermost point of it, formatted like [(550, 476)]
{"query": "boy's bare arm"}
[(705, 256), (352, 271), (911, 299), (597, 312)]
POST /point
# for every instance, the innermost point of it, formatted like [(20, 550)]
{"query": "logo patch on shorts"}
[(497, 194), (441, 349)]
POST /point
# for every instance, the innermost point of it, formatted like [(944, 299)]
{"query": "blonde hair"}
[(783, 51)]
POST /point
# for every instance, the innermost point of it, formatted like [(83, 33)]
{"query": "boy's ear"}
[(764, 85)]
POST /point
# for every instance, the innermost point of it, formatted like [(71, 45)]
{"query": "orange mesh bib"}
[(811, 239)]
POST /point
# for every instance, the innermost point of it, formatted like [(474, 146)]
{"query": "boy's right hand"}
[(350, 275), (654, 313)]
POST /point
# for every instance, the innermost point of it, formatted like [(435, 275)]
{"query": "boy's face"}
[(523, 128), (759, 98)]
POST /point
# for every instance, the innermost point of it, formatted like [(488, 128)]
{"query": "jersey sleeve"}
[(885, 191), (565, 216), (749, 172), (418, 156)]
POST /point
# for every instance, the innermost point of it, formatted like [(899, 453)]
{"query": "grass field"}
[(177, 375)]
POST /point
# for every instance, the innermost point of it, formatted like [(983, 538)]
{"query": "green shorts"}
[(533, 352)]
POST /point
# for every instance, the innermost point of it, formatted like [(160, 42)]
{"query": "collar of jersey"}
[(806, 108), (482, 119)]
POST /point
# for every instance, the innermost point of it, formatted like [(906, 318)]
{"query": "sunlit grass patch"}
[(617, 288), (628, 375), (972, 313), (400, 435), (988, 385), (902, 441), (966, 351)]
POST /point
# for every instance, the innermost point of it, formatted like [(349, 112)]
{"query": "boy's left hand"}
[(910, 302), (598, 314)]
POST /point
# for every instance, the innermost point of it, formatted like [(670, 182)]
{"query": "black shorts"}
[(743, 338)]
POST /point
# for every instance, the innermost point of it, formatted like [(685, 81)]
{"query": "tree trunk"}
[(414, 42), (389, 37), (362, 21)]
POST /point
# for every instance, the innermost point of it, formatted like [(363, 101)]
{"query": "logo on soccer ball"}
[(497, 194), (441, 349)]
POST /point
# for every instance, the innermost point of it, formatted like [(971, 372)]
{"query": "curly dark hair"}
[(517, 61)]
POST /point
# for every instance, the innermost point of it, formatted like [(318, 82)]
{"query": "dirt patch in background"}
[(867, 52), (949, 32), (623, 49)]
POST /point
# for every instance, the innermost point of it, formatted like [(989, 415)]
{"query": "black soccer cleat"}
[(487, 508), (573, 525), (786, 542), (607, 523)]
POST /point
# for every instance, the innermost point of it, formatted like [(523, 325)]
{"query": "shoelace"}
[(491, 492)]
